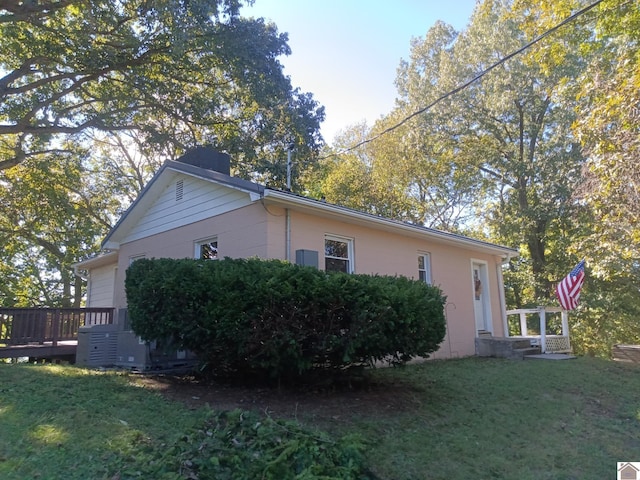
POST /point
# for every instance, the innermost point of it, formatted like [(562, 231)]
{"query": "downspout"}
[(287, 227), (288, 235), (80, 273)]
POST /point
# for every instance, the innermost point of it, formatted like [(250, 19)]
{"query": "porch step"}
[(551, 356), (514, 348), (522, 353)]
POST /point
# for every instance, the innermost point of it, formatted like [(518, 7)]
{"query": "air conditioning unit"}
[(97, 345), (136, 354), (133, 352)]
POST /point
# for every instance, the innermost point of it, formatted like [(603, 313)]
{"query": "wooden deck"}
[(46, 333)]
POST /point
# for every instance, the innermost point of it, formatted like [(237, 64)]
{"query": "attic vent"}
[(179, 190)]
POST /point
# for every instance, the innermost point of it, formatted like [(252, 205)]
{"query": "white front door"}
[(481, 305)]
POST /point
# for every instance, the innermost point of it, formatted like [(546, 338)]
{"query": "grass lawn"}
[(61, 422), (491, 418), (457, 419)]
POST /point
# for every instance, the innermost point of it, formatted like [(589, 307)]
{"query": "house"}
[(627, 471), (193, 208)]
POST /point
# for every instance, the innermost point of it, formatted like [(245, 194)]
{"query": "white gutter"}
[(93, 262)]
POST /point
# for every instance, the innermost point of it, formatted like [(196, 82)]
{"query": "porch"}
[(46, 333), (541, 332), (545, 327)]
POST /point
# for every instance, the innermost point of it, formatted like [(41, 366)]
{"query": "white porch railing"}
[(547, 343)]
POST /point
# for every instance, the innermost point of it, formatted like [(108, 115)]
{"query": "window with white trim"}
[(424, 267), (338, 254), (207, 249)]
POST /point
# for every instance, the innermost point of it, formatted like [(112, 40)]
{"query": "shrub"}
[(252, 316)]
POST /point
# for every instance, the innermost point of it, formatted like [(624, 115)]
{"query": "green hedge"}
[(272, 317)]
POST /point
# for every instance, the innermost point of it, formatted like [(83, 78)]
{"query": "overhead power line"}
[(474, 79)]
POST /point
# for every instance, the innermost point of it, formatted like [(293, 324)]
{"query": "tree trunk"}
[(78, 288)]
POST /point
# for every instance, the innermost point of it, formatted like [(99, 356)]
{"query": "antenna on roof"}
[(290, 147)]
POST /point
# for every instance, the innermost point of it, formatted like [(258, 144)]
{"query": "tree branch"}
[(31, 11)]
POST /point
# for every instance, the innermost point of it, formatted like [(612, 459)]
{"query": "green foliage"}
[(52, 213), (270, 317), (93, 93), (498, 157), (608, 315), (606, 40), (242, 445), (543, 150), (179, 73)]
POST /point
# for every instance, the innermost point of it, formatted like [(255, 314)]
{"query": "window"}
[(338, 254), (424, 267), (207, 249)]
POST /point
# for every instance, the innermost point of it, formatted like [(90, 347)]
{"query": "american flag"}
[(568, 290)]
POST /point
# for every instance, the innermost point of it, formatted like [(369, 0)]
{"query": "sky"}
[(346, 52)]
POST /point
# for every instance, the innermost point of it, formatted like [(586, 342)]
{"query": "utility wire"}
[(474, 79)]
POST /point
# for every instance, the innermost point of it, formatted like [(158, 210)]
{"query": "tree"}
[(543, 147), (356, 179), (95, 94), (425, 154), (403, 174), (344, 179), (609, 128), (180, 73), (509, 131), (53, 213), (607, 124)]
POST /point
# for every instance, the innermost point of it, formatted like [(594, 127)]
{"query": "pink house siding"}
[(276, 218), (240, 233), (385, 253)]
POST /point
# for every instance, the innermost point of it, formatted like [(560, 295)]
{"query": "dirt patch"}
[(337, 404)]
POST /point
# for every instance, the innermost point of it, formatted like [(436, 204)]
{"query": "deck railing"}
[(549, 343), (23, 326)]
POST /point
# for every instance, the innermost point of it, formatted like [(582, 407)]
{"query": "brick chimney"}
[(207, 157)]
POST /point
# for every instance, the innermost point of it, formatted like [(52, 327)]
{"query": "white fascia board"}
[(97, 261), (254, 190), (212, 176), (365, 219)]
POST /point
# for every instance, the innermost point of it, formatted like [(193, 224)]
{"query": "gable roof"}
[(164, 177), (628, 467), (171, 169)]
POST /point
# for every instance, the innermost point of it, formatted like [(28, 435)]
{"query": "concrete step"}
[(514, 348), (522, 343), (522, 353), (550, 356)]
